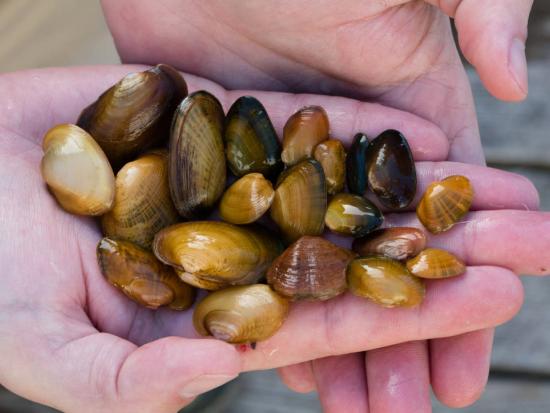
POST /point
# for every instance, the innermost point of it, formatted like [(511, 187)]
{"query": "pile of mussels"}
[(156, 259)]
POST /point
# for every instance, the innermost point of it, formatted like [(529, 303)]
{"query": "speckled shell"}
[(351, 214), (143, 205), (332, 157), (311, 268), (219, 253), (138, 274), (397, 243), (385, 281), (239, 315), (444, 203), (435, 263)]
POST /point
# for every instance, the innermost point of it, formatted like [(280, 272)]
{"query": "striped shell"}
[(444, 203), (435, 263)]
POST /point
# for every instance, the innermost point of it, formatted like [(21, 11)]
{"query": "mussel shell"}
[(351, 214), (137, 273), (143, 205), (251, 143), (242, 314), (303, 132), (385, 281), (444, 203), (436, 263), (222, 254), (399, 243), (247, 199), (311, 268), (77, 171), (300, 200), (391, 172), (197, 159), (356, 165), (134, 114), (332, 157)]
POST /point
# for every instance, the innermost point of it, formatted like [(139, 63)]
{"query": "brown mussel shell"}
[(303, 132), (143, 205), (251, 143), (77, 171), (444, 203), (197, 157), (397, 243), (219, 253), (134, 114), (247, 199), (136, 272), (385, 281), (312, 268), (300, 200), (242, 314), (391, 172), (436, 263), (356, 165), (351, 214), (332, 157)]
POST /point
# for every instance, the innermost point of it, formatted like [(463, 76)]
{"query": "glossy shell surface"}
[(436, 263), (332, 157), (399, 243), (356, 167), (351, 214)]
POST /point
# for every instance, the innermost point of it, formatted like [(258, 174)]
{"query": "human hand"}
[(70, 340)]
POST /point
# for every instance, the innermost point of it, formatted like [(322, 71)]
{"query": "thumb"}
[(492, 36)]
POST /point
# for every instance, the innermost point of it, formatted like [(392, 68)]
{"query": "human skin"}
[(70, 340), (397, 52)]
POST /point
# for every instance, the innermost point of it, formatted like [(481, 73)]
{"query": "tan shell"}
[(303, 132), (435, 263), (142, 201), (247, 199), (385, 281), (139, 275), (444, 203), (332, 157), (311, 268), (397, 243), (77, 171), (219, 253), (243, 314)]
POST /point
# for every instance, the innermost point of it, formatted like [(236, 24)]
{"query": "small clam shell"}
[(332, 157), (300, 200), (197, 157), (303, 132), (444, 203), (136, 272), (397, 243), (142, 201), (77, 171), (385, 281), (311, 268), (351, 214), (251, 143), (134, 114), (391, 172), (221, 254), (247, 199), (356, 166), (239, 315), (435, 263)]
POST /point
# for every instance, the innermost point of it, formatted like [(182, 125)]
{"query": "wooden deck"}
[(515, 136)]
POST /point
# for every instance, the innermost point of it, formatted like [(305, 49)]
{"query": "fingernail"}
[(517, 64), (204, 383)]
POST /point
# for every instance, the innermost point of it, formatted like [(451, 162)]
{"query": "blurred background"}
[(516, 137)]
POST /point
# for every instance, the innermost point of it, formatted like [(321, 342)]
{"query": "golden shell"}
[(435, 263), (332, 157)]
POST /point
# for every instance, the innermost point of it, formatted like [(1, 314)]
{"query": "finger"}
[(298, 377), (399, 378), (460, 367), (36, 100), (341, 383), (517, 240), (483, 297), (492, 36)]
